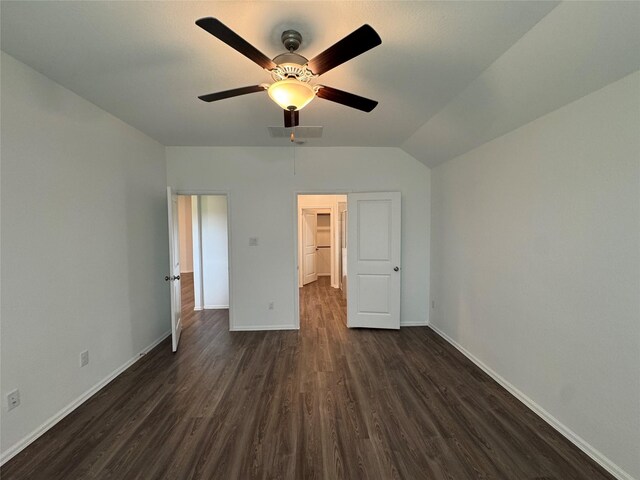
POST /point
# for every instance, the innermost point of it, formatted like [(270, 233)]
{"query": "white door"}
[(373, 262), (174, 268), (309, 247)]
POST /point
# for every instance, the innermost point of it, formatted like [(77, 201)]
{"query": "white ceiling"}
[(146, 63), (576, 49)]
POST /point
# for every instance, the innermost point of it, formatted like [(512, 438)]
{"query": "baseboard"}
[(197, 309), (579, 442), (33, 436), (414, 324), (256, 328), (216, 307)]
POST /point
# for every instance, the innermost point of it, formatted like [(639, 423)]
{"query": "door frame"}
[(227, 194), (296, 243)]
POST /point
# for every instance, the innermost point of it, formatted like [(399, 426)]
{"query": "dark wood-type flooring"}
[(322, 402)]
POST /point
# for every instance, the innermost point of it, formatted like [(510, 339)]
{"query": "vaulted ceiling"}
[(449, 75)]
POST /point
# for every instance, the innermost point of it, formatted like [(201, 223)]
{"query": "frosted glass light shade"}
[(291, 93)]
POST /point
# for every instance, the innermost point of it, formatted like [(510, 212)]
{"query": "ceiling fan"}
[(292, 73)]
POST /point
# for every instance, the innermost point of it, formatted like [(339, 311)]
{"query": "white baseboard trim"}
[(33, 436), (197, 309), (414, 324), (256, 328), (216, 307), (579, 442)]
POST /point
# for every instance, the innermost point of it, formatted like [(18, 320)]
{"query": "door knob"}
[(395, 269)]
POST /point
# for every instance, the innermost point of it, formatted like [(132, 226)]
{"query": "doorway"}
[(321, 258), (204, 258)]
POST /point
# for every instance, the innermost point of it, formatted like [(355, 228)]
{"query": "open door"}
[(174, 268), (373, 263), (310, 246)]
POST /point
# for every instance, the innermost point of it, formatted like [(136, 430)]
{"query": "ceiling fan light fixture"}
[(291, 92)]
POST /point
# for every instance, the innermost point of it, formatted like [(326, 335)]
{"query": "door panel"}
[(373, 263), (174, 268), (310, 247), (373, 293), (374, 226)]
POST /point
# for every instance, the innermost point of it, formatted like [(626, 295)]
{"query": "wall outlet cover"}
[(84, 358), (13, 399)]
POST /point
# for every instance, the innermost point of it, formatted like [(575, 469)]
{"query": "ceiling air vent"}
[(300, 132)]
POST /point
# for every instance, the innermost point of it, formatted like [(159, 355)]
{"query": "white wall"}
[(262, 184), (185, 233), (536, 264), (215, 254), (84, 247)]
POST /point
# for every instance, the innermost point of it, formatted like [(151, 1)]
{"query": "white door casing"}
[(174, 268), (373, 260), (309, 246)]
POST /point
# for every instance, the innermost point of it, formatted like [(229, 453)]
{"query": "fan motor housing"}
[(291, 65), (290, 57)]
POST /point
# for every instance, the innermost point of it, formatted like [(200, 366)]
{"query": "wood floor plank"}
[(324, 402)]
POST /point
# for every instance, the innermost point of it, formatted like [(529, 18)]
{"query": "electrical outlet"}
[(84, 358), (270, 305), (13, 399)]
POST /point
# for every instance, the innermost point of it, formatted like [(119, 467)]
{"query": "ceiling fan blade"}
[(212, 97), (219, 30), (346, 98), (291, 118), (357, 42)]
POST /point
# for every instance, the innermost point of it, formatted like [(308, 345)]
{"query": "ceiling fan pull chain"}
[(294, 154)]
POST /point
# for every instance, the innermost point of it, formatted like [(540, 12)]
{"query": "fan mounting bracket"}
[(291, 39)]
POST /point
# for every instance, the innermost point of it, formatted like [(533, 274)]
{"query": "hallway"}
[(322, 306)]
